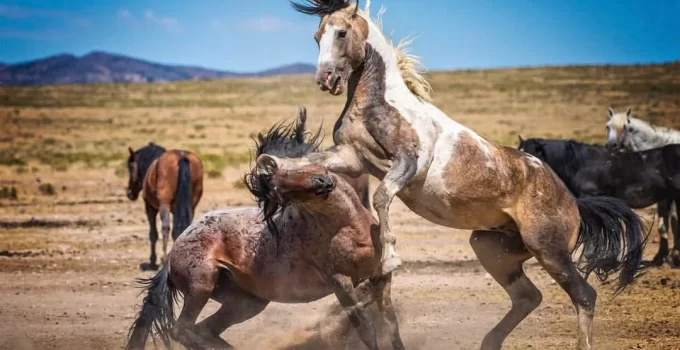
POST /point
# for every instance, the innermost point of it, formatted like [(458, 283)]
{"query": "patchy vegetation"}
[(47, 189)]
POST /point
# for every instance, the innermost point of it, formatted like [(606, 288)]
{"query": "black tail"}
[(181, 212), (613, 239), (156, 314)]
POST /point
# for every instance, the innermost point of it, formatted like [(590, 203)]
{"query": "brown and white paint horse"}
[(171, 182), (448, 174), (310, 237)]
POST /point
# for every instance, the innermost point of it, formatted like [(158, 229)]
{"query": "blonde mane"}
[(407, 63)]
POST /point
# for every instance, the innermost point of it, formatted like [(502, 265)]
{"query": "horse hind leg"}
[(557, 262), (502, 256), (237, 306), (201, 284), (165, 228)]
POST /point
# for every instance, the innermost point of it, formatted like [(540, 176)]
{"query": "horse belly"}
[(300, 283), (442, 209)]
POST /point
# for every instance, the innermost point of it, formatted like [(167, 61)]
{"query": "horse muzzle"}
[(323, 184)]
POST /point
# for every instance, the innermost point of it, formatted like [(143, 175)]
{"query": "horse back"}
[(160, 181)]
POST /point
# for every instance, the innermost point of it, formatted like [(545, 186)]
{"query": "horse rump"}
[(613, 239), (181, 211), (156, 314)]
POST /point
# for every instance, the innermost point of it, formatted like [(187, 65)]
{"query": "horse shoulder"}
[(352, 252)]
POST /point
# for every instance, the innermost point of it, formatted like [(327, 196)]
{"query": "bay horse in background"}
[(310, 236), (624, 132), (450, 175), (170, 182), (640, 179)]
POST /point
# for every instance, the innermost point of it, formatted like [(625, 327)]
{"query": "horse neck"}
[(647, 136), (342, 208), (378, 77), (147, 157)]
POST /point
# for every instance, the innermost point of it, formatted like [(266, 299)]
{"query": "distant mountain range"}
[(104, 67)]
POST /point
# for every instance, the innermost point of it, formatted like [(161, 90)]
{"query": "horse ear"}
[(611, 112), (520, 138), (628, 111), (131, 150)]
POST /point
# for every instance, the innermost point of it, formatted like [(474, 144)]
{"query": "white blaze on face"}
[(326, 45), (611, 134)]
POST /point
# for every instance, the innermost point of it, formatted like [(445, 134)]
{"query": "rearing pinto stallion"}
[(172, 181), (446, 173)]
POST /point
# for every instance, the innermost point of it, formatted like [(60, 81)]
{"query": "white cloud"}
[(168, 23), (265, 24)]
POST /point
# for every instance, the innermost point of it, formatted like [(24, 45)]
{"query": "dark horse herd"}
[(311, 232)]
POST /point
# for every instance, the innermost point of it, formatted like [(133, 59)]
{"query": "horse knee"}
[(380, 198)]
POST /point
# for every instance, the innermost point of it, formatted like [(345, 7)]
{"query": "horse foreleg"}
[(663, 212), (165, 228), (675, 253), (403, 169), (382, 293), (502, 256), (151, 213), (358, 314)]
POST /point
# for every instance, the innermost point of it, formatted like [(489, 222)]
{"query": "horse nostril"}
[(323, 182)]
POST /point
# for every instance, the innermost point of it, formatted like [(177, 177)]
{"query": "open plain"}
[(71, 242)]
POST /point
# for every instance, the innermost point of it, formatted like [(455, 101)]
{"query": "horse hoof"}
[(675, 259), (148, 267), (390, 264)]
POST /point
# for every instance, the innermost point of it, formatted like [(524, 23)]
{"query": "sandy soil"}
[(68, 267), (68, 261)]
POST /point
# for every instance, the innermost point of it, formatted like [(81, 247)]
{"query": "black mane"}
[(286, 141), (320, 7), (147, 155)]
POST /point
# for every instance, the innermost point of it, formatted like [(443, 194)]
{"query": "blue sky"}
[(250, 35)]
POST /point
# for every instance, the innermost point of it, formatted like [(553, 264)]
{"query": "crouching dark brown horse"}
[(170, 182), (309, 237)]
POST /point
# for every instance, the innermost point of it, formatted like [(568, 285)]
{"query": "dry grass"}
[(54, 128), (72, 238)]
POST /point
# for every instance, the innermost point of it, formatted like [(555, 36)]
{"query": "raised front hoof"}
[(148, 267), (390, 264)]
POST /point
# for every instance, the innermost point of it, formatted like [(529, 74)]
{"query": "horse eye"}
[(342, 34)]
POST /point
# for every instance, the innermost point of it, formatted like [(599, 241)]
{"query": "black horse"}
[(640, 179)]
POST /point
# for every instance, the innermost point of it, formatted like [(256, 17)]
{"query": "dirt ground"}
[(68, 260)]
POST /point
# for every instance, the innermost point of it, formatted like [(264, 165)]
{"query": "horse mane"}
[(147, 155), (320, 7), (656, 129), (406, 62), (285, 141)]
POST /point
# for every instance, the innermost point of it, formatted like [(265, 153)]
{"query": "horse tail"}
[(181, 211), (613, 239), (156, 314)]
